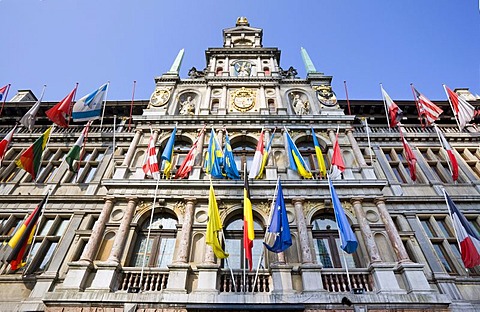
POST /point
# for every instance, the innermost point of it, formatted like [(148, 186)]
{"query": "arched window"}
[(267, 71), (219, 71), (307, 150), (180, 151), (327, 243), (271, 106), (161, 244), (234, 243), (243, 152)]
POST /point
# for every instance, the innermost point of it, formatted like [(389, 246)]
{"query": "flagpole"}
[(131, 106), (82, 152), (346, 93), (444, 150), (416, 104), (385, 105), (272, 207), (340, 236), (104, 104), (451, 106), (46, 145), (148, 233), (36, 232), (5, 99), (453, 221), (71, 105)]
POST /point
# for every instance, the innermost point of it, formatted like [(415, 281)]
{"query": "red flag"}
[(187, 163), (451, 155), (337, 159), (5, 142), (248, 229), (58, 113), (411, 159), (426, 108), (394, 112), (463, 110), (151, 161)]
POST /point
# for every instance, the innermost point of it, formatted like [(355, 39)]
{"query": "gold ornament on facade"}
[(143, 206), (160, 96), (180, 206), (325, 95), (264, 206), (243, 99), (309, 206), (348, 206)]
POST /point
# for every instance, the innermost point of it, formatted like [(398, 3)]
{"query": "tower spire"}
[(309, 67), (175, 69)]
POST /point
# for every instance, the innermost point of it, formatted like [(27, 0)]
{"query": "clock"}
[(243, 99)]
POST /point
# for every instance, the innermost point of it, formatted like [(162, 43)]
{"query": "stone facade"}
[(91, 252)]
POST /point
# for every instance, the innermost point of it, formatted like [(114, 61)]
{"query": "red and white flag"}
[(427, 110), (467, 236), (338, 166), (151, 161), (463, 110), (5, 142), (394, 113), (187, 163), (451, 155), (255, 169), (411, 159)]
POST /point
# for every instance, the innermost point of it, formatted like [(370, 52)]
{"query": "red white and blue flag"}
[(468, 238), (451, 155), (427, 110), (3, 92)]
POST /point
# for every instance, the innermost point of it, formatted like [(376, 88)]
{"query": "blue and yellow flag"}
[(214, 158), (167, 154), (229, 165), (296, 160), (321, 161)]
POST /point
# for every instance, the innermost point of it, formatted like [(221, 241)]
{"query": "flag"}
[(150, 166), (89, 107), (338, 166), (255, 172), (279, 224), (248, 230), (411, 159), (394, 113), (30, 160), (467, 236), (58, 113), (265, 155), (167, 154), (348, 239), (451, 155), (5, 142), (463, 110), (76, 150), (22, 238), (426, 108), (214, 225), (296, 160), (187, 163), (318, 152), (229, 165), (28, 120), (214, 157), (3, 92)]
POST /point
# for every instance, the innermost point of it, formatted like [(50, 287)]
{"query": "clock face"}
[(243, 99), (243, 68)]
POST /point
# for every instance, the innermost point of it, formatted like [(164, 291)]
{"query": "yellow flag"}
[(214, 225)]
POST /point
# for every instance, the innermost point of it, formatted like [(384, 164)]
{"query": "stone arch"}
[(296, 107), (183, 97), (384, 247)]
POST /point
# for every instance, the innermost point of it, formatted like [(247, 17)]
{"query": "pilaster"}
[(372, 249)]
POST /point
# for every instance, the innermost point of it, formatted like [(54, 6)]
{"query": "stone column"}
[(270, 169), (302, 230), (367, 171), (392, 232), (184, 247), (198, 164), (222, 106), (122, 170), (366, 231), (281, 107), (96, 237), (263, 109), (79, 272), (122, 233), (205, 107)]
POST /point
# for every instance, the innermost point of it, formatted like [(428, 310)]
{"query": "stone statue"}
[(288, 74), (299, 106), (187, 107), (194, 73)]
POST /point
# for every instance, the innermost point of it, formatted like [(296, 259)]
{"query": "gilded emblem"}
[(243, 99), (160, 96), (325, 95)]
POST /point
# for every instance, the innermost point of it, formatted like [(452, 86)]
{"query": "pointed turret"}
[(309, 67), (175, 69)]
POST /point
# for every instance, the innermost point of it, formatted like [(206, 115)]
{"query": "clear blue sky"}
[(396, 42)]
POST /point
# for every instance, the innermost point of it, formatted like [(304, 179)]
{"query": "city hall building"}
[(103, 244)]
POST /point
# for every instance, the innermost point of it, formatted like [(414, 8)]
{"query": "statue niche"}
[(186, 103), (299, 102)]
